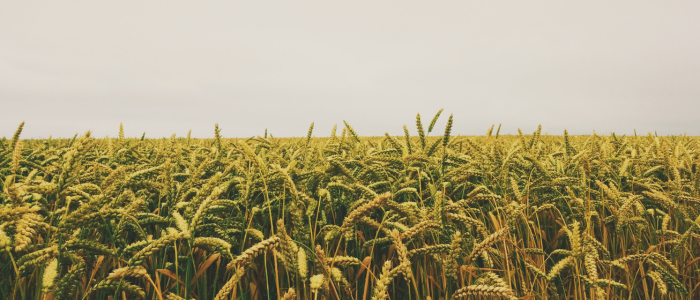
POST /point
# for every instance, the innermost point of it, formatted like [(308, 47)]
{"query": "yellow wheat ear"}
[(363, 210), (50, 274), (435, 118), (229, 286), (289, 295), (421, 134), (408, 139), (302, 264), (448, 130), (17, 155), (352, 131), (315, 283), (308, 134), (15, 137)]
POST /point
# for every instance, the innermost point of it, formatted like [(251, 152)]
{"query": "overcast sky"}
[(165, 67)]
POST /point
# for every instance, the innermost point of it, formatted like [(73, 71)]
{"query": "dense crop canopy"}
[(351, 217)]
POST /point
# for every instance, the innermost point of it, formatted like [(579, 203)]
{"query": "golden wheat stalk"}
[(290, 294), (484, 291), (380, 290), (363, 210), (254, 251), (230, 284), (343, 260), (487, 242)]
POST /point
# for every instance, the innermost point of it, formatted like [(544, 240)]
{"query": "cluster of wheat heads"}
[(351, 217)]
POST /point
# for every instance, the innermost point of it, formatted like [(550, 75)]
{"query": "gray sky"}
[(166, 67)]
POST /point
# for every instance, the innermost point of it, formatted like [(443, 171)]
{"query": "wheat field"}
[(351, 217)]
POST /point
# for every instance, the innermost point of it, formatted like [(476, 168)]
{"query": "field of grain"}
[(350, 217)]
